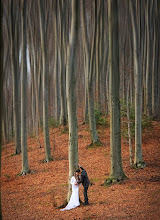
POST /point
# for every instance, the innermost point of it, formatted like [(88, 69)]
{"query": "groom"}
[(85, 182)]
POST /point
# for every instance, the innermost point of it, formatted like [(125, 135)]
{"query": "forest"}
[(79, 86)]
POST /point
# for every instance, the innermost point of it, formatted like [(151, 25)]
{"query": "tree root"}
[(113, 180), (140, 165), (46, 161), (25, 172), (94, 144)]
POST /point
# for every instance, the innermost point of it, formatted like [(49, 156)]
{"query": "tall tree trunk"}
[(71, 94), (155, 62), (149, 7), (97, 59), (62, 49), (89, 51), (129, 127), (32, 51), (60, 58), (116, 170), (45, 82), (138, 161), (13, 32), (1, 90), (57, 88), (25, 166)]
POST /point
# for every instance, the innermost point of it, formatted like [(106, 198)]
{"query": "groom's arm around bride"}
[(85, 182)]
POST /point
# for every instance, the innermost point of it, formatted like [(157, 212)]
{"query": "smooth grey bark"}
[(116, 170), (48, 156), (25, 165), (98, 58), (149, 9), (1, 90), (85, 94), (60, 74), (56, 77), (132, 64), (101, 58), (57, 87), (105, 75), (56, 66), (129, 127), (34, 57), (89, 51), (138, 161), (155, 61), (13, 33), (62, 61), (71, 94), (7, 100)]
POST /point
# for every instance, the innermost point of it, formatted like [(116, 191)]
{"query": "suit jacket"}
[(84, 179)]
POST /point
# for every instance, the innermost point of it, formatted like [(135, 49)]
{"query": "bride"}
[(74, 200)]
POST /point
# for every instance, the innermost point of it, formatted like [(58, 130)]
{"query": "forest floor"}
[(38, 194)]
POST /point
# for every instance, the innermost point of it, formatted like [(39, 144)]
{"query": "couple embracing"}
[(80, 176)]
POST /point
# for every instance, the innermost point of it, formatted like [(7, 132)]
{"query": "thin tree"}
[(129, 127), (71, 94), (155, 109), (138, 161), (89, 50), (60, 58), (56, 66), (116, 170), (13, 34), (42, 16), (25, 165), (148, 13), (1, 91), (35, 55)]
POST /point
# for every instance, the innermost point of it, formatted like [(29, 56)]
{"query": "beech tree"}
[(14, 39), (43, 16), (60, 58), (138, 161), (35, 64), (71, 94), (56, 66), (89, 51), (1, 90), (25, 165), (116, 170)]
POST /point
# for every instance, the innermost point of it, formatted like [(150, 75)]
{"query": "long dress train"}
[(74, 200)]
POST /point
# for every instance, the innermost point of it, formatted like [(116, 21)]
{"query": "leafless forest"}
[(65, 61)]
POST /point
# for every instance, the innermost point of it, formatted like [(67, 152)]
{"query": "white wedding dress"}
[(74, 200)]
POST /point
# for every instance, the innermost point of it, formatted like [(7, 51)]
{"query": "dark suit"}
[(85, 182)]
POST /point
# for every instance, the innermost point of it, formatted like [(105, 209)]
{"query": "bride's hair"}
[(75, 174)]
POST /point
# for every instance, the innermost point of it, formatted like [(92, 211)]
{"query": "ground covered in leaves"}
[(38, 194)]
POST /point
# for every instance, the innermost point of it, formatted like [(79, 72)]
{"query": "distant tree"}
[(35, 61), (149, 31), (116, 170), (14, 40), (156, 34), (25, 165), (43, 18), (62, 60), (89, 53), (138, 161), (56, 66)]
